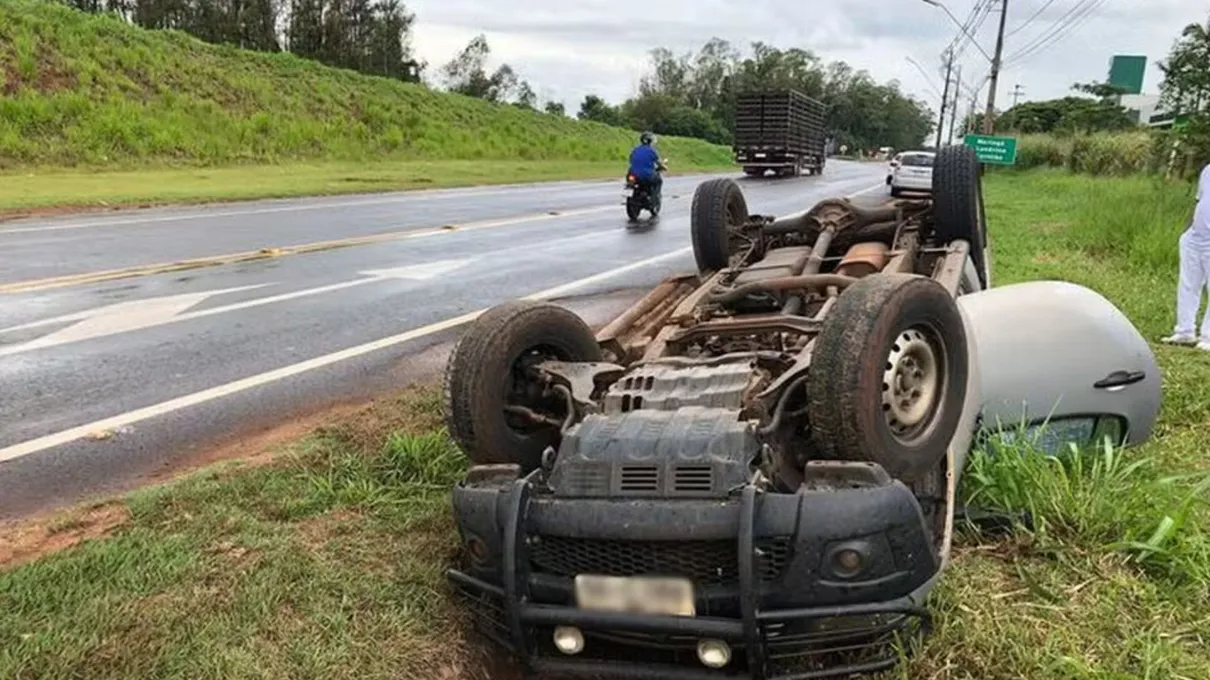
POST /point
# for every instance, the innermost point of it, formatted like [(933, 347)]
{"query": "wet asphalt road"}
[(173, 364)]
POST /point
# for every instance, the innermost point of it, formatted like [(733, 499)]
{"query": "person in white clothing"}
[(1194, 272)]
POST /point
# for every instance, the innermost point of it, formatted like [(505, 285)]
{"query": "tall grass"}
[(89, 89), (1115, 154), (1103, 499)]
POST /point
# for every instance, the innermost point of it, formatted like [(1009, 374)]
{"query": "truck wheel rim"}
[(911, 384), (520, 390)]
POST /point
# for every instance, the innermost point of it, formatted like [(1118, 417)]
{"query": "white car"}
[(913, 172)]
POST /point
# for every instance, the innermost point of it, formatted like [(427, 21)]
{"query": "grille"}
[(704, 562), (640, 478), (693, 478), (840, 643)]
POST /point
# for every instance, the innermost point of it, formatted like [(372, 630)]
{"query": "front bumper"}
[(769, 595)]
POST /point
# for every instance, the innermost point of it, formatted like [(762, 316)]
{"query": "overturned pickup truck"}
[(752, 472)]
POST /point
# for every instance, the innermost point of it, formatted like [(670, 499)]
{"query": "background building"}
[(1127, 71)]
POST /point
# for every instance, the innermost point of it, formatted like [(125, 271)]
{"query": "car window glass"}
[(1055, 437), (918, 160)]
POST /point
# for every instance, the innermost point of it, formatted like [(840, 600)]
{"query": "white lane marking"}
[(876, 187), (140, 314), (115, 318), (66, 436), (405, 197), (250, 211)]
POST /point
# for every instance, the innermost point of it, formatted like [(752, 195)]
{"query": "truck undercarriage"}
[(751, 471)]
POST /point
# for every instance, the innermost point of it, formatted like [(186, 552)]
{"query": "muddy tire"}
[(958, 202), (718, 208), (485, 373), (888, 375)]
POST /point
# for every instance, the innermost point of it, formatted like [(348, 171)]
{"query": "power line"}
[(970, 28), (1078, 14), (966, 29), (927, 78), (1031, 19)]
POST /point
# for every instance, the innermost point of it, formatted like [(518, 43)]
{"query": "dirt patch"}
[(27, 541), (252, 450), (72, 210)]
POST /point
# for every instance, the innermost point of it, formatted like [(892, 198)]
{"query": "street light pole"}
[(945, 97), (957, 97), (989, 122)]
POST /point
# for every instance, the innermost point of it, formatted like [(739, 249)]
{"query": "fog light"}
[(569, 640), (714, 653), (848, 562)]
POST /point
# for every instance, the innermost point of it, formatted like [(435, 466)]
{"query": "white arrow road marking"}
[(139, 314), (67, 436), (116, 318)]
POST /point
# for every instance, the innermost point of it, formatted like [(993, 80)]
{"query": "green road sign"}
[(994, 150)]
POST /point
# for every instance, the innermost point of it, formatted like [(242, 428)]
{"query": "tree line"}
[(694, 95), (1186, 88), (369, 36), (1097, 111)]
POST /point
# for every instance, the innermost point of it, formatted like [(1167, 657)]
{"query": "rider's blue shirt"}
[(644, 161)]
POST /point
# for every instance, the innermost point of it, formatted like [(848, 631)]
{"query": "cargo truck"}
[(780, 130)]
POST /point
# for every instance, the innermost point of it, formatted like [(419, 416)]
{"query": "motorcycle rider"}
[(646, 164)]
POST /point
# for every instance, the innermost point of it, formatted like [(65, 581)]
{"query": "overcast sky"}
[(569, 48)]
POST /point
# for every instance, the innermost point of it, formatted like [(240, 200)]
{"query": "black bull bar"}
[(747, 633)]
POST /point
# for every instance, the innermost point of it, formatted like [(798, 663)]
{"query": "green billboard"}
[(1127, 72)]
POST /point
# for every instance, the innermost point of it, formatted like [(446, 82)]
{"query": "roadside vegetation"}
[(92, 92), (1092, 133), (326, 560)]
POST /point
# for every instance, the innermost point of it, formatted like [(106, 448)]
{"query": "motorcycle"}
[(641, 198)]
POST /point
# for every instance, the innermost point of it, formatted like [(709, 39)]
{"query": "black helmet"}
[(646, 138)]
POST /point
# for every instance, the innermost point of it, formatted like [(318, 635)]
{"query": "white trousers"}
[(1194, 276)]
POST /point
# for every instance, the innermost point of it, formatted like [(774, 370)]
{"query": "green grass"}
[(88, 91), (328, 562), (1111, 583), (67, 189)]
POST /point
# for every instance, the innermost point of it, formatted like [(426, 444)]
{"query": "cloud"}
[(570, 48)]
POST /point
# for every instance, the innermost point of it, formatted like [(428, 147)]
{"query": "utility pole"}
[(970, 116), (989, 123), (957, 96), (945, 96), (1017, 92)]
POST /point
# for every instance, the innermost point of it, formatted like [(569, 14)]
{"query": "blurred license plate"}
[(651, 595)]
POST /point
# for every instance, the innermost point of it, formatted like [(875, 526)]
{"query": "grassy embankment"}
[(96, 112), (327, 563)]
